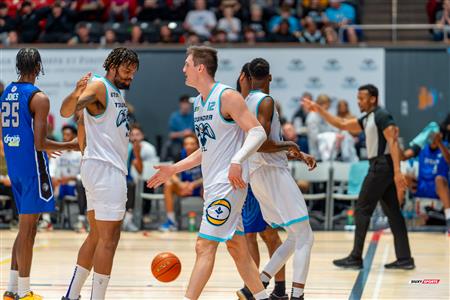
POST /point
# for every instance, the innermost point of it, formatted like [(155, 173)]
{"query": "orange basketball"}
[(166, 267)]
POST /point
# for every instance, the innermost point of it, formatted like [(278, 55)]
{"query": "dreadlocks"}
[(121, 56), (28, 62)]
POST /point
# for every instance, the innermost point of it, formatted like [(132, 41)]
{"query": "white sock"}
[(76, 284), (261, 295), (171, 216), (13, 281), (99, 285), (46, 217), (296, 292), (264, 277), (447, 213), (81, 218), (23, 286)]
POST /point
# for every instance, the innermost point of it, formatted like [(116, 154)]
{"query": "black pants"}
[(379, 185)]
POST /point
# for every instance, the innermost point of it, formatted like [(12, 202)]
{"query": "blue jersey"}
[(22, 159), (431, 164)]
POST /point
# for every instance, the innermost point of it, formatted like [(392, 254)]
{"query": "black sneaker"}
[(245, 294), (65, 298), (404, 264), (349, 262), (274, 296), (298, 298)]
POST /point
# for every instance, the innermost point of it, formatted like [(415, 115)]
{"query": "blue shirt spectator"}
[(340, 12), (285, 15), (181, 122)]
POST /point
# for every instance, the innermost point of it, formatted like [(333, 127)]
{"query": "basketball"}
[(166, 267)]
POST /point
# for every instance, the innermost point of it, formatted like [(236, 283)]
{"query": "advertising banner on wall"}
[(62, 68), (335, 72)]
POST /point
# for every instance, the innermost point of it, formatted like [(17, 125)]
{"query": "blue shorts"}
[(67, 190), (197, 192), (252, 217), (426, 189), (33, 195)]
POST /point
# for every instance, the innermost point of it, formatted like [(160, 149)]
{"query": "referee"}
[(383, 180)]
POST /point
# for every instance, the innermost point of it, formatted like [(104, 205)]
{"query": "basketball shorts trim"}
[(106, 189), (222, 210), (28, 194)]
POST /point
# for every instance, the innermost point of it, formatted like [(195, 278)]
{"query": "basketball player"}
[(103, 167), (24, 129), (281, 201), (253, 220), (221, 119)]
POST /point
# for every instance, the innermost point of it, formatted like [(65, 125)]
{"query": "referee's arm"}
[(391, 135)]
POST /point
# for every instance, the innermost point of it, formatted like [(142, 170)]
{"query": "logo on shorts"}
[(218, 212), (12, 141), (45, 187)]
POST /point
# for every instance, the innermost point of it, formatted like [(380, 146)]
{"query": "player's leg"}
[(170, 190), (252, 244), (246, 266), (205, 257), (12, 288), (24, 250), (108, 239), (442, 190), (84, 260)]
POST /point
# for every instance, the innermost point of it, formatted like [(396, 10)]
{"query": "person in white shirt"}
[(201, 21)]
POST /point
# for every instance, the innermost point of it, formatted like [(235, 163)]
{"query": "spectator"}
[(343, 111), (82, 35), (191, 38), (256, 22), (219, 36), (432, 8), (65, 171), (316, 125), (165, 35), (119, 10), (189, 183), (432, 180), (28, 22), (90, 10), (310, 33), (283, 34), (141, 157), (150, 10), (109, 38), (230, 24), (176, 10), (250, 37), (12, 39), (201, 21), (285, 16), (136, 36), (59, 24), (339, 14), (442, 19), (315, 10), (6, 22)]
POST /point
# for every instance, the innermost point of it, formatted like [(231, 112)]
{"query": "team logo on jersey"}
[(123, 118), (13, 89), (218, 212), (12, 141), (204, 131)]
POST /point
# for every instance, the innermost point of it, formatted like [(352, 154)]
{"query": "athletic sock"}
[(79, 277), (280, 288), (99, 285), (265, 279), (296, 292), (171, 216), (13, 281), (447, 213), (261, 295), (23, 286)]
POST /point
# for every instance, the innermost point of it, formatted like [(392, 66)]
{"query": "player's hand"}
[(54, 154), (235, 176), (82, 83), (165, 172), (310, 105), (401, 184), (309, 160)]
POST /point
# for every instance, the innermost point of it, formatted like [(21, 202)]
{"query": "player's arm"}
[(391, 135), (265, 113), (165, 172), (351, 125), (70, 102), (40, 107), (442, 147)]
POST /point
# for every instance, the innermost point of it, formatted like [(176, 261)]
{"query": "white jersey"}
[(277, 159), (107, 135), (219, 138)]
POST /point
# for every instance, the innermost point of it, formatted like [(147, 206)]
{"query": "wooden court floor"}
[(55, 255)]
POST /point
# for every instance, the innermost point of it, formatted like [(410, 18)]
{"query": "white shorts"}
[(281, 201), (106, 189), (222, 213)]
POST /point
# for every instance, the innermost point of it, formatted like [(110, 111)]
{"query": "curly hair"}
[(28, 62), (121, 56)]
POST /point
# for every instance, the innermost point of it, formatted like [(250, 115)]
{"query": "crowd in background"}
[(110, 22)]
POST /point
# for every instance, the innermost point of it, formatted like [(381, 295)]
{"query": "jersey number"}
[(10, 114)]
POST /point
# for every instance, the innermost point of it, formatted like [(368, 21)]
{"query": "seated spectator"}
[(109, 38), (28, 22), (12, 39), (310, 33), (339, 14), (230, 24), (283, 34), (433, 6), (343, 111), (7, 23), (90, 10), (59, 24), (150, 10), (82, 35), (201, 20), (285, 16), (181, 124), (442, 19), (315, 10), (191, 38), (432, 180), (65, 171), (219, 37), (189, 183), (256, 22), (166, 36), (250, 37), (119, 10), (136, 35)]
